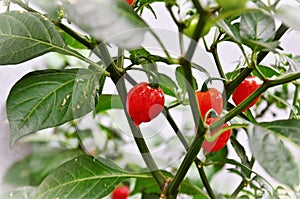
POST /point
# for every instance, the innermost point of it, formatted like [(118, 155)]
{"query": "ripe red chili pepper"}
[(246, 88), (120, 192), (210, 99), (144, 102), (220, 141), (130, 2)]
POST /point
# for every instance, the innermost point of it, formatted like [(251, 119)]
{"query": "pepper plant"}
[(116, 49)]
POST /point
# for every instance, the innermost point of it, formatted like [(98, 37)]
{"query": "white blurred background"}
[(164, 26)]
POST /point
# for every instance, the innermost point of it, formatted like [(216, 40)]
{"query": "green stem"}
[(285, 79), (218, 62), (180, 26), (279, 33), (201, 130), (155, 80), (118, 80), (181, 42), (198, 120), (247, 71), (120, 59), (23, 5), (185, 165), (205, 180), (176, 129), (138, 137), (186, 146), (240, 187), (243, 183), (255, 67), (238, 109), (266, 85), (295, 99), (244, 54), (90, 45)]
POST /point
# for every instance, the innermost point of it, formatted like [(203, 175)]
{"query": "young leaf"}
[(257, 26), (261, 45), (26, 35), (290, 129), (107, 101), (293, 63), (272, 154), (216, 156), (240, 151), (267, 71), (119, 24), (48, 98), (84, 178), (35, 167), (230, 30), (72, 42), (179, 73), (167, 85), (21, 193)]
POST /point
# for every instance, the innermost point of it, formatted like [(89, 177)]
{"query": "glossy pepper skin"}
[(210, 99), (144, 102), (246, 88), (130, 2), (120, 192), (219, 142)]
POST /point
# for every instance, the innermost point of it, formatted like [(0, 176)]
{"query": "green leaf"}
[(167, 85), (26, 35), (257, 26), (48, 98), (108, 101), (181, 80), (21, 193), (149, 185), (198, 197), (259, 45), (70, 40), (290, 129), (146, 4), (35, 167), (200, 69), (215, 156), (119, 23), (139, 54), (266, 71), (84, 178), (240, 151), (293, 63), (230, 30), (273, 155)]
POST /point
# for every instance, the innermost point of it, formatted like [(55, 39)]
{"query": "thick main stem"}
[(201, 128), (140, 141), (119, 81), (198, 162)]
